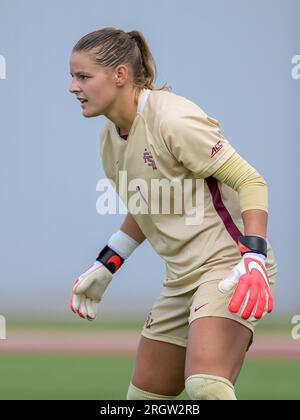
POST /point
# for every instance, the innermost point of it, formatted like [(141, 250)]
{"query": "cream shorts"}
[(170, 316)]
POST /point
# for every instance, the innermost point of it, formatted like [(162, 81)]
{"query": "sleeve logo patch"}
[(216, 149)]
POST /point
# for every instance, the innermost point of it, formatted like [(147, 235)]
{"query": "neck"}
[(124, 109)]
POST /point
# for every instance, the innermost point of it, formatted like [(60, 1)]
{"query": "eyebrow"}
[(77, 73)]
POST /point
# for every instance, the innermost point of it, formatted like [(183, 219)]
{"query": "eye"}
[(82, 77)]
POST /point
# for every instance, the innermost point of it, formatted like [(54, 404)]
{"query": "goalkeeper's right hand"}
[(89, 288)]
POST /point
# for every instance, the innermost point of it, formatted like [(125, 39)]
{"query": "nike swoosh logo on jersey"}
[(253, 265), (199, 307)]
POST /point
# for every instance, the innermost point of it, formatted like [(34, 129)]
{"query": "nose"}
[(74, 88)]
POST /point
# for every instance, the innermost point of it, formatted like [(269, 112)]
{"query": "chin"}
[(87, 114), (91, 114)]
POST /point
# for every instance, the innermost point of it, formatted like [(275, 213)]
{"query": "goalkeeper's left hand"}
[(251, 282)]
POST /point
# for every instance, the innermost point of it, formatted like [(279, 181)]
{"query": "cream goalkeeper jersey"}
[(163, 174)]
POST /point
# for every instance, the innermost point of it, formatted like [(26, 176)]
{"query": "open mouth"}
[(82, 100)]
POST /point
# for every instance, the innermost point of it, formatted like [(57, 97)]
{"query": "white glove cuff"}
[(122, 244), (255, 255)]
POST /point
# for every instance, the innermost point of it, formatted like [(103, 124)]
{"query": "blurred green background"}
[(45, 375)]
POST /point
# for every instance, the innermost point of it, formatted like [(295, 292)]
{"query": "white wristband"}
[(122, 243)]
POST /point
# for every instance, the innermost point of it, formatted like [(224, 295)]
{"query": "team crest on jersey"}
[(216, 149), (149, 159)]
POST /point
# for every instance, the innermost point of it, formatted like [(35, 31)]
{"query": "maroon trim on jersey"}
[(222, 211), (123, 136)]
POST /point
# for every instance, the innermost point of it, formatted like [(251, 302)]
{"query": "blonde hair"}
[(112, 47)]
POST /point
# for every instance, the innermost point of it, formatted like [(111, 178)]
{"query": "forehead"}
[(81, 61)]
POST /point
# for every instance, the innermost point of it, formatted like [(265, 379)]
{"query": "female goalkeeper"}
[(220, 268)]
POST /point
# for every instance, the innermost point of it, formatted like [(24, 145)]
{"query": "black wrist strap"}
[(110, 259), (252, 244)]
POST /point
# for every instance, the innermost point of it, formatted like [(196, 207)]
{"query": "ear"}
[(121, 75)]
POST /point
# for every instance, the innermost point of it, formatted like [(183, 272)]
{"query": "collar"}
[(142, 100)]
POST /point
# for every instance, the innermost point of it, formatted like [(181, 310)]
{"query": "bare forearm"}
[(131, 228), (255, 222)]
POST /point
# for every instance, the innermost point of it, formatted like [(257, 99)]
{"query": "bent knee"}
[(135, 393), (209, 387)]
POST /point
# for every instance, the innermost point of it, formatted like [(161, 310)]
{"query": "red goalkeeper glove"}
[(252, 294)]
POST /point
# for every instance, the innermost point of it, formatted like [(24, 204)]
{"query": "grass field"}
[(100, 378), (40, 376), (71, 323)]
